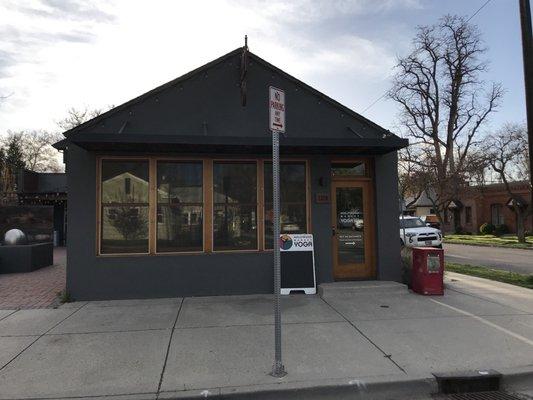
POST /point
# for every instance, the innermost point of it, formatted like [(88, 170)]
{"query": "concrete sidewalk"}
[(369, 337)]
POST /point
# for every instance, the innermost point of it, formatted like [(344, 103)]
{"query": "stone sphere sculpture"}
[(14, 237)]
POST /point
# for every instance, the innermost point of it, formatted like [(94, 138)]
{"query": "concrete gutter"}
[(517, 378), (375, 388)]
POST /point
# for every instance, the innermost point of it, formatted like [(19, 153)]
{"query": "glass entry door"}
[(351, 226)]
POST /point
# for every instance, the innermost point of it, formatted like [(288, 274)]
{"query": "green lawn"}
[(489, 240), (496, 275)]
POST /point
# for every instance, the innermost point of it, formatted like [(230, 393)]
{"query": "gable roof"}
[(424, 200), (211, 64), (179, 112)]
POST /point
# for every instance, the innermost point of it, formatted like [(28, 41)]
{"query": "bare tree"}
[(37, 152), (412, 180), (506, 152), (444, 103), (77, 117)]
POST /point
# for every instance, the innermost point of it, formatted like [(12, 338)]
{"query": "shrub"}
[(500, 230), (486, 229)]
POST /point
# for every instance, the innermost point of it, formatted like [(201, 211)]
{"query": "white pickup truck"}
[(414, 232)]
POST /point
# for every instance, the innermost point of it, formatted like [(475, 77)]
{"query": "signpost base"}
[(278, 371)]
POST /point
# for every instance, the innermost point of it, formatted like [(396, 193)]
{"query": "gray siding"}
[(118, 277), (387, 222), (208, 103)]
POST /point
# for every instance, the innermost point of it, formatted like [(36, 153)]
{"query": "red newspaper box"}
[(428, 271)]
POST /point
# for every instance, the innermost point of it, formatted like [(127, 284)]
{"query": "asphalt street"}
[(515, 260)]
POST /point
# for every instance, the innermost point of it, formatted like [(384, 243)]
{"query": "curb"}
[(517, 378), (376, 388), (382, 387)]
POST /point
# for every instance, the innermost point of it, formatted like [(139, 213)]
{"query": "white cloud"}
[(319, 10), (91, 53)]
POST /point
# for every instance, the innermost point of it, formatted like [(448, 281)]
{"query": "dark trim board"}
[(232, 144)]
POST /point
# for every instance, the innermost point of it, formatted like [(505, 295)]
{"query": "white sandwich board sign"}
[(297, 263)]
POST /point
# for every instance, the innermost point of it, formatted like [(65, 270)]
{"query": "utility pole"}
[(527, 52)]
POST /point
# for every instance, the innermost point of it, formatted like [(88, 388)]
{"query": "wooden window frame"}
[(370, 183), (208, 201)]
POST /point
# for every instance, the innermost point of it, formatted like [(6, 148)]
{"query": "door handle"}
[(333, 231)]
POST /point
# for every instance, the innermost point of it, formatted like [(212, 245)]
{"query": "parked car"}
[(415, 232), (431, 220)]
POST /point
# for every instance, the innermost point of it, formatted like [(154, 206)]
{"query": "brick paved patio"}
[(37, 289)]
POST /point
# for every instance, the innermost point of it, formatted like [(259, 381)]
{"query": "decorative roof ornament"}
[(244, 70)]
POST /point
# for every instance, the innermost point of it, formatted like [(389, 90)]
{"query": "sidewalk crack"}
[(168, 349), (10, 314), (387, 356), (40, 336)]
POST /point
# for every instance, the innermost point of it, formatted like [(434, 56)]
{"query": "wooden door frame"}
[(369, 229)]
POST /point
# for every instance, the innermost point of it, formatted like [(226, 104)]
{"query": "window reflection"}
[(235, 206), (124, 207), (293, 200), (179, 206), (350, 225), (357, 168)]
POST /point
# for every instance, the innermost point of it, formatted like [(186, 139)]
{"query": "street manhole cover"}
[(482, 396)]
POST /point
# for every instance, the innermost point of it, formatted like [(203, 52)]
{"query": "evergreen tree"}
[(2, 169), (14, 157), (2, 156)]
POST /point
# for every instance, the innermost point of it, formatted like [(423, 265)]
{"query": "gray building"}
[(170, 193)]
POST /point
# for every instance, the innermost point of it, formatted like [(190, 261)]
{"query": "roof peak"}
[(215, 62)]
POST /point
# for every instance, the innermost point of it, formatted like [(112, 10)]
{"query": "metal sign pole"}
[(278, 370)]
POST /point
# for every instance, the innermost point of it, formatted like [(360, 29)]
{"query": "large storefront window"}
[(163, 205), (234, 206), (293, 216), (179, 206), (124, 202)]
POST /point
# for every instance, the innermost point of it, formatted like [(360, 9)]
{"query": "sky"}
[(56, 54)]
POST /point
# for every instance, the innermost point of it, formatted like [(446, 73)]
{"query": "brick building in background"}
[(489, 203)]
